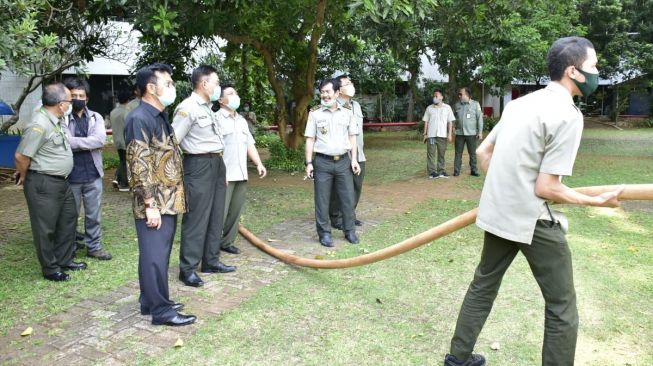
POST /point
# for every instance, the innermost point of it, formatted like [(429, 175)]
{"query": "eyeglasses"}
[(66, 101)]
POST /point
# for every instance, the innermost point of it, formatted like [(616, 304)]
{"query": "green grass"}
[(402, 311), (23, 289)]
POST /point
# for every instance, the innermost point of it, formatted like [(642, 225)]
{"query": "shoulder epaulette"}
[(317, 107)]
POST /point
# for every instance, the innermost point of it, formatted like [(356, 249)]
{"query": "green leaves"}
[(164, 22)]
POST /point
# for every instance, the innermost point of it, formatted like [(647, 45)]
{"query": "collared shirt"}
[(117, 118), (154, 166), (358, 118), (538, 133), (44, 141), (196, 126), (438, 117), (133, 104), (84, 170), (236, 140), (331, 129), (469, 118)]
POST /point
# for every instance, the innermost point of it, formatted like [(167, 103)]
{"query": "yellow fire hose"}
[(631, 193)]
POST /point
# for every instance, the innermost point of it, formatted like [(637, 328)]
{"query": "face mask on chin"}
[(328, 104)]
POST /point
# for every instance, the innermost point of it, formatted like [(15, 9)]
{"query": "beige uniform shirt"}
[(196, 127), (44, 141), (117, 118), (538, 133), (331, 130), (438, 116), (358, 118), (237, 138)]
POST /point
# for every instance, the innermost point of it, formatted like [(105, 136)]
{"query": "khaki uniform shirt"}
[(44, 141), (358, 118), (236, 140), (117, 118), (438, 116), (538, 133), (469, 118), (196, 127), (331, 129), (133, 104)]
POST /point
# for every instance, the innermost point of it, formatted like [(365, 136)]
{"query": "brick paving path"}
[(109, 329)]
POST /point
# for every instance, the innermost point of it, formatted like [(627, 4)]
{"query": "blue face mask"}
[(216, 93)]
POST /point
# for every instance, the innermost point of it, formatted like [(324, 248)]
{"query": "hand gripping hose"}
[(631, 193)]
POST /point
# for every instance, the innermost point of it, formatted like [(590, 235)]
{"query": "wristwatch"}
[(307, 162), (151, 205)]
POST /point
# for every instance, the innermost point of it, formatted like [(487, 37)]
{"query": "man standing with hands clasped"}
[(331, 133), (438, 119), (155, 176), (525, 157), (199, 133), (469, 129)]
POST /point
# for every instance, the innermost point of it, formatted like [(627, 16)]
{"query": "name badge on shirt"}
[(468, 115)]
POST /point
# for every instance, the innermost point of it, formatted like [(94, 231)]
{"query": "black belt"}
[(205, 155), (49, 175), (332, 157)]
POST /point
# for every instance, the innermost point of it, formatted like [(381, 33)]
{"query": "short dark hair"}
[(565, 52), (53, 94), (343, 76), (200, 72), (124, 96), (438, 91), (335, 84), (147, 75), (226, 85), (77, 83)]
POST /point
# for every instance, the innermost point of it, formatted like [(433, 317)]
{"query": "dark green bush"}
[(489, 123), (282, 158), (264, 139), (110, 160)]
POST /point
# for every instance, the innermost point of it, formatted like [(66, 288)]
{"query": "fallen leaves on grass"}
[(26, 332), (179, 343)]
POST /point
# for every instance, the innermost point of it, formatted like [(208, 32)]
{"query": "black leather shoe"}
[(455, 174), (325, 239), (358, 222), (176, 321), (231, 249), (75, 266), (475, 174), (57, 277), (175, 307), (337, 225), (351, 237), (219, 268), (191, 279)]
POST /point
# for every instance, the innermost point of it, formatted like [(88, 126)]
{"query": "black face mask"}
[(78, 104)]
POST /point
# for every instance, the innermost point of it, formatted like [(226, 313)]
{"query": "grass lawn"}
[(401, 311)]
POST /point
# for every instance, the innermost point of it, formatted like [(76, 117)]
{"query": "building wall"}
[(11, 86)]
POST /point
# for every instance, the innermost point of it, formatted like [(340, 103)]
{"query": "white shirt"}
[(237, 138), (538, 133), (437, 117)]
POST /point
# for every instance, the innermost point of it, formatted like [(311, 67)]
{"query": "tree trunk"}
[(413, 93)]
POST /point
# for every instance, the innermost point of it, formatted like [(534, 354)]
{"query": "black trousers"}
[(121, 172), (201, 225), (330, 175), (154, 248), (334, 208), (461, 141), (53, 217)]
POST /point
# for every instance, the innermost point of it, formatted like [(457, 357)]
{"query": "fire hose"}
[(632, 192)]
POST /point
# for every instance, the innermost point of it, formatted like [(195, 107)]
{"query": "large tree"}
[(40, 39)]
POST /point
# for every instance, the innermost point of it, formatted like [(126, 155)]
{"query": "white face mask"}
[(233, 102), (68, 111), (168, 97), (348, 90), (436, 100)]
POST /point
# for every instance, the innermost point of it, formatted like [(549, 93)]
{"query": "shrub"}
[(489, 123), (282, 158), (264, 139), (110, 160)]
